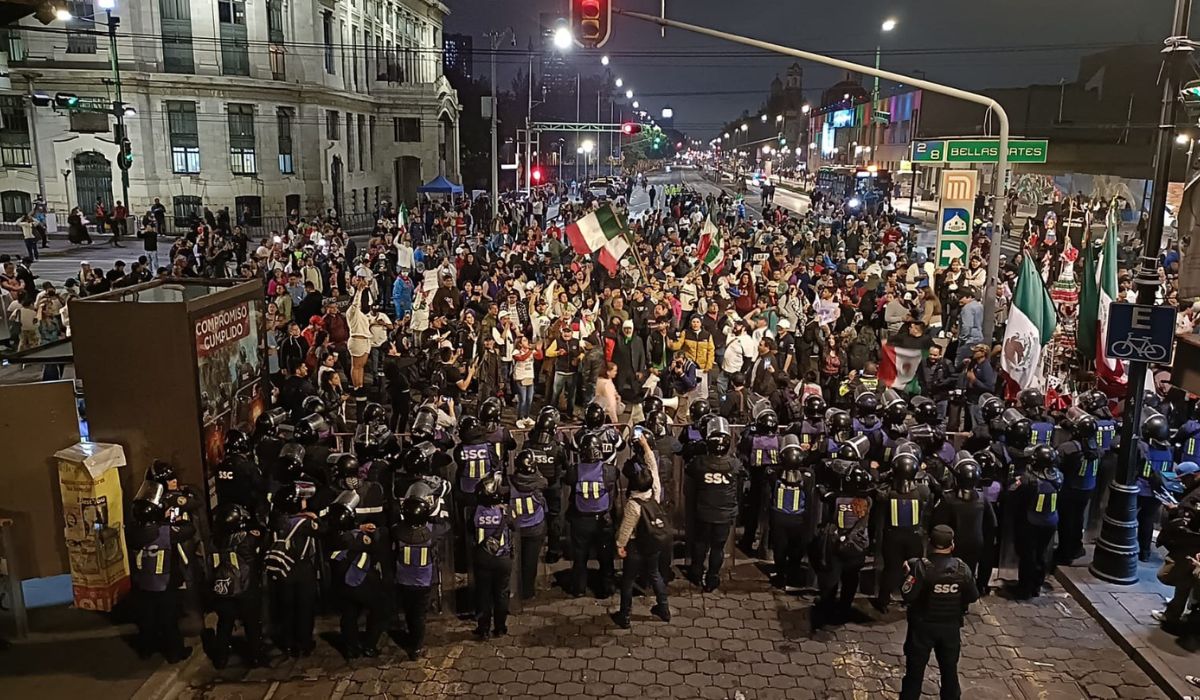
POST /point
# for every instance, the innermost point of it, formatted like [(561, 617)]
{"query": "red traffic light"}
[(631, 128), (591, 22), (536, 174)]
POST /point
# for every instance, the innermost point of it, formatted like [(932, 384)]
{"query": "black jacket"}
[(712, 487)]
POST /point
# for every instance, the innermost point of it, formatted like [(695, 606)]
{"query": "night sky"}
[(934, 36)]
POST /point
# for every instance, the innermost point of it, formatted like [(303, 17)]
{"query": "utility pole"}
[(529, 133), (122, 135), (495, 38), (1115, 556), (31, 115)]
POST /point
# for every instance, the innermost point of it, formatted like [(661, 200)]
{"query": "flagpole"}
[(632, 247)]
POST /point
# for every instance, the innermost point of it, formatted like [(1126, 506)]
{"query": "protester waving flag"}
[(899, 360), (1031, 325), (402, 216), (1099, 290), (601, 230), (711, 250)]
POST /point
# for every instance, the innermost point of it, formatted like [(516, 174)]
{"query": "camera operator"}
[(978, 377)]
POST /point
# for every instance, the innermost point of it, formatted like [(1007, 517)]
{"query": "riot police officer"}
[(500, 436), (1033, 405), (759, 451), (991, 488), (527, 505), (235, 582), (1036, 503), (477, 461), (551, 458), (985, 431), (157, 545), (938, 590), (1156, 456), (1080, 466), (714, 479), (593, 485), (901, 520), (811, 430), (691, 436), (965, 510), (840, 547), (357, 583), (791, 513), (292, 566), (894, 417), (416, 567), (492, 530), (594, 423), (268, 440), (868, 423)]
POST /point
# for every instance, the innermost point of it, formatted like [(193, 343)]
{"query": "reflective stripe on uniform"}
[(370, 510), (1041, 503), (406, 555)]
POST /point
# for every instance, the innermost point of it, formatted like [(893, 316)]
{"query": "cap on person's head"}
[(47, 285), (942, 537), (967, 292), (783, 324), (72, 282), (503, 314), (628, 325), (1186, 469), (981, 347)]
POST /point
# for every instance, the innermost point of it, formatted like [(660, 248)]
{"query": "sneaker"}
[(662, 612), (620, 619)]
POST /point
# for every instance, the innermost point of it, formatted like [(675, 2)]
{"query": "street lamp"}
[(629, 94), (635, 104), (620, 83), (745, 127), (604, 60), (764, 119), (1182, 139), (888, 25), (563, 38), (805, 109)]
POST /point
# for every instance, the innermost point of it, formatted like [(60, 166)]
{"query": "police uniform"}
[(902, 515), (492, 560), (1036, 521), (551, 459), (791, 529), (295, 592), (760, 453), (973, 519), (840, 548), (528, 508), (236, 586), (1155, 458), (158, 571), (359, 588), (416, 573), (938, 590), (593, 486), (1080, 468), (713, 484)]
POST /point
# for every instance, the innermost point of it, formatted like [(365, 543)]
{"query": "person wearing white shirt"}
[(740, 351), (404, 251)]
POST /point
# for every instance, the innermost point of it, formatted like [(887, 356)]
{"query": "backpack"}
[(230, 578), (855, 543), (653, 530), (279, 561)]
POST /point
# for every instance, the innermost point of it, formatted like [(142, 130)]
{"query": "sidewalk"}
[(1124, 613)]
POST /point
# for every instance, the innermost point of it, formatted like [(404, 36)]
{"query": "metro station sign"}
[(979, 151)]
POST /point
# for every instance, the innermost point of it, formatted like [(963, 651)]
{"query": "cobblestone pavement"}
[(744, 641)]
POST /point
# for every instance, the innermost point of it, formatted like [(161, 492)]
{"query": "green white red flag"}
[(601, 230), (1031, 324), (711, 250)]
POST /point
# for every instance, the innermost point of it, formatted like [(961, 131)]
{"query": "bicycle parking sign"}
[(1140, 333)]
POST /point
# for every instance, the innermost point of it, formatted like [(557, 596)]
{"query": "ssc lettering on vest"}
[(945, 588), (716, 478), (539, 458), (224, 475), (489, 519), (475, 452)]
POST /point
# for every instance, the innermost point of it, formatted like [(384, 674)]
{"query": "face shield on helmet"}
[(925, 411), (966, 470), (342, 511), (765, 418), (523, 463), (814, 408), (790, 454), (905, 466), (310, 428), (1154, 425), (268, 422), (591, 448), (855, 449), (489, 412), (1044, 458), (415, 511), (1083, 425), (838, 423), (718, 435), (594, 416), (424, 424), (697, 412), (488, 491), (1017, 428), (866, 405), (1031, 400)]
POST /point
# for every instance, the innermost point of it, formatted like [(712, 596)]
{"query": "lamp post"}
[(121, 136), (887, 26), (495, 39)]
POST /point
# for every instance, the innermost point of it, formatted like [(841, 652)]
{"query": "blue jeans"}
[(564, 385), (524, 400)]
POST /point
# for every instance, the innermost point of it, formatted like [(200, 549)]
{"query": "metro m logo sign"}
[(959, 185)]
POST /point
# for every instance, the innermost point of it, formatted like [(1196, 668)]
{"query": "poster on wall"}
[(229, 354)]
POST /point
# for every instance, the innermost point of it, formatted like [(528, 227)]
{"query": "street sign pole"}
[(1115, 556)]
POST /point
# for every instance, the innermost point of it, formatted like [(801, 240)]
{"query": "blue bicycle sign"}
[(1140, 333)]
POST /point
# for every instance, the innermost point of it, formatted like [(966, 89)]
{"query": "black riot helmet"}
[(1083, 425), (149, 504), (925, 411), (424, 423), (418, 458), (1043, 458), (268, 422), (342, 511), (310, 428), (697, 412), (237, 442), (790, 454), (658, 423), (894, 408), (545, 425), (650, 404), (718, 436), (990, 407), (161, 472), (591, 448), (313, 404), (855, 449), (905, 465), (765, 418), (989, 465), (838, 422), (291, 461), (966, 470), (866, 404), (1154, 425), (488, 493), (594, 416), (857, 480), (1017, 428), (415, 511), (288, 499), (489, 412), (468, 424), (909, 447), (230, 518), (1031, 399), (523, 463), (373, 413), (345, 465), (814, 408)]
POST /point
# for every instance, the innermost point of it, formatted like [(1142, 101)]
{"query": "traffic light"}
[(631, 128), (41, 99), (1190, 94), (125, 157), (591, 22), (65, 100), (536, 174)]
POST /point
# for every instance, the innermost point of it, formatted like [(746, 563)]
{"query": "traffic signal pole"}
[(989, 300), (122, 136), (1115, 557)]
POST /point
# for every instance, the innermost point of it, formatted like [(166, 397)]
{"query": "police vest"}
[(152, 563), (811, 435), (764, 450), (903, 512), (1189, 445), (848, 510), (478, 464), (527, 510), (591, 493), (1083, 478), (1106, 432), (546, 462), (692, 434), (491, 530), (789, 500), (1155, 459), (1043, 506), (861, 428), (358, 566), (940, 600), (414, 564), (1041, 433)]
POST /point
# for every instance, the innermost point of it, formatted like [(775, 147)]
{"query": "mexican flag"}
[(711, 251), (1031, 324), (1099, 290), (601, 230), (402, 216), (898, 364)]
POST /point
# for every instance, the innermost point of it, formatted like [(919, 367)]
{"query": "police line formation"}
[(825, 488)]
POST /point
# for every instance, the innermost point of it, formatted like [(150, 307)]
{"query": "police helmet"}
[(373, 413), (523, 463), (161, 472), (468, 424), (658, 423), (640, 479), (697, 412), (148, 505), (313, 404), (488, 493), (229, 518), (489, 411), (1044, 457), (1154, 425), (268, 422), (765, 420), (866, 404), (310, 428), (1017, 428), (415, 510), (288, 499), (855, 449), (342, 511), (989, 465), (418, 458), (966, 470), (908, 447), (236, 442), (905, 465), (990, 407), (718, 436), (547, 420), (345, 465), (814, 408), (1083, 424), (838, 421), (650, 404), (424, 423), (1031, 399), (594, 416), (857, 479), (894, 408), (925, 411), (790, 454), (291, 461), (591, 448)]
